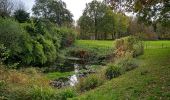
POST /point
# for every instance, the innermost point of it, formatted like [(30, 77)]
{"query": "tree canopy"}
[(54, 10)]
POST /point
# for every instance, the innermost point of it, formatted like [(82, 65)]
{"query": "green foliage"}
[(113, 71), (68, 36), (66, 93), (139, 83), (126, 64), (4, 53), (94, 51), (92, 15), (12, 37), (55, 11), (21, 15), (129, 45), (90, 82)]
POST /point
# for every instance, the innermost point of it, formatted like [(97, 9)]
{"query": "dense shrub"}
[(130, 45), (113, 71), (36, 43), (68, 36), (120, 66), (11, 36), (90, 82)]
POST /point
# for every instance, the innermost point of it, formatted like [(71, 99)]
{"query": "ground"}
[(150, 81)]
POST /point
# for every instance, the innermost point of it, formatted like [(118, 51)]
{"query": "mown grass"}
[(95, 43), (56, 75), (150, 81)]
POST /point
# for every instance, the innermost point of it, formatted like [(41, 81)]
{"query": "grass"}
[(95, 43), (56, 75), (150, 81)]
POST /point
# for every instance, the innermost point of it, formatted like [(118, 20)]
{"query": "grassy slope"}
[(150, 81)]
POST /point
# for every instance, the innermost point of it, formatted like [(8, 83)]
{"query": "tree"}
[(107, 24), (94, 11), (148, 11), (6, 7), (21, 15), (121, 23), (54, 10), (86, 27)]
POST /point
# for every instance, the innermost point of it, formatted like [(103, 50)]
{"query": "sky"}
[(76, 7)]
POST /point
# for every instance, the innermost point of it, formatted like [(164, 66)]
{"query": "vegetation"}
[(141, 80), (42, 56), (55, 11), (90, 82), (99, 22)]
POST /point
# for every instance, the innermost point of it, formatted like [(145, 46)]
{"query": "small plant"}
[(66, 93), (113, 71), (90, 82), (127, 63)]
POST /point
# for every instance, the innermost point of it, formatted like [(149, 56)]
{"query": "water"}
[(73, 79)]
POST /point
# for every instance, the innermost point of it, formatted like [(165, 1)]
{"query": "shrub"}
[(90, 82), (129, 44), (126, 64), (68, 36), (11, 36), (113, 71)]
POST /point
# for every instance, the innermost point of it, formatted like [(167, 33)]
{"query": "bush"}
[(90, 82), (129, 44), (126, 64), (11, 36), (113, 71), (68, 36)]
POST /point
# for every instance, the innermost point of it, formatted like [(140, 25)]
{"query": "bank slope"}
[(149, 81)]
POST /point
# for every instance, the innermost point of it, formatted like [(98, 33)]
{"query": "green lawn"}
[(95, 43), (150, 81)]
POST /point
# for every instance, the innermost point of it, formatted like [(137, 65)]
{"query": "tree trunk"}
[(105, 36)]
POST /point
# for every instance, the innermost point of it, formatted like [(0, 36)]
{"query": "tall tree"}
[(95, 10), (54, 10), (107, 24), (21, 15)]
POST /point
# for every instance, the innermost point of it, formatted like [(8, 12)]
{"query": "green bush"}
[(113, 71), (90, 82), (129, 44), (11, 36), (127, 64), (68, 36)]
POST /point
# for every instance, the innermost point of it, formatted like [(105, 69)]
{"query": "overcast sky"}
[(75, 6)]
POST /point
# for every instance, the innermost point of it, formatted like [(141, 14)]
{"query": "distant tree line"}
[(108, 19), (100, 22)]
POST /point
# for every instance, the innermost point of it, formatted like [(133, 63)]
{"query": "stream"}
[(74, 79)]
